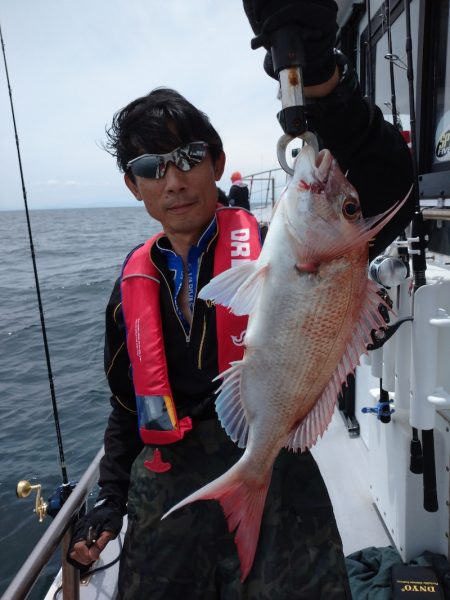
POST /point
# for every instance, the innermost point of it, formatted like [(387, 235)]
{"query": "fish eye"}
[(351, 209)]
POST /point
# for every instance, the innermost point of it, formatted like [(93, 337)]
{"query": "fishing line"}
[(395, 116), (36, 279), (369, 53)]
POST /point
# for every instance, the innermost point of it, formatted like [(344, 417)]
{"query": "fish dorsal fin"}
[(319, 417), (229, 406), (237, 288)]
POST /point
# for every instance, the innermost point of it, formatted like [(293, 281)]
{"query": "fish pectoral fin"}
[(229, 407), (237, 288)]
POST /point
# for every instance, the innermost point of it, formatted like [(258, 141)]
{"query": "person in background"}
[(165, 347), (222, 197), (238, 194)]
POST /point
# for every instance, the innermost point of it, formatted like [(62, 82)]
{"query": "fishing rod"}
[(418, 248), (416, 456), (66, 484)]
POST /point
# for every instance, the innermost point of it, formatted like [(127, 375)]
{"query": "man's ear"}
[(132, 186), (219, 166)]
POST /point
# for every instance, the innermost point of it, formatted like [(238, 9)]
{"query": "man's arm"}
[(372, 151), (122, 444), (122, 441)]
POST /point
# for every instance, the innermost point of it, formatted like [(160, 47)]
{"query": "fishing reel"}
[(387, 271), (24, 489), (59, 496), (54, 503)]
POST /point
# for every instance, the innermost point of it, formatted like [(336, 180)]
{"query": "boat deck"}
[(344, 464)]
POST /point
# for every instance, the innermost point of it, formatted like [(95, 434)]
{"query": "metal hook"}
[(308, 137)]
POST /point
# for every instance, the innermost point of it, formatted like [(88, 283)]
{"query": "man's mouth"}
[(180, 207)]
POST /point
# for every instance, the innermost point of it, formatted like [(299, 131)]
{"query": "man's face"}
[(184, 202)]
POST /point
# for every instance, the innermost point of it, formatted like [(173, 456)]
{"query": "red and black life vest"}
[(238, 240)]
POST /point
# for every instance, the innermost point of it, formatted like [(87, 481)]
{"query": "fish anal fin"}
[(229, 406)]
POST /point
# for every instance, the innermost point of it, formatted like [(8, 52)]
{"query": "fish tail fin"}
[(242, 501)]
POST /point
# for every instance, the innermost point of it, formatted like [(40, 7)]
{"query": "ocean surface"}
[(79, 255)]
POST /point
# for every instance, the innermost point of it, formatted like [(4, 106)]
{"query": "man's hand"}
[(93, 531), (316, 22)]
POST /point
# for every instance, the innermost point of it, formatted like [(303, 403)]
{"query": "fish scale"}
[(311, 309)]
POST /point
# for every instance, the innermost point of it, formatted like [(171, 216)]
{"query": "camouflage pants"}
[(191, 555)]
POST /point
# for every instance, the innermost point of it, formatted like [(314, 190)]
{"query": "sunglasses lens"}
[(146, 166), (153, 166), (190, 155)]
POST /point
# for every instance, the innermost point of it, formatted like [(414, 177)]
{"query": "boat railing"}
[(57, 534), (264, 194)]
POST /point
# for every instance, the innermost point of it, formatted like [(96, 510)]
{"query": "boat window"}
[(380, 56), (384, 88), (441, 113)]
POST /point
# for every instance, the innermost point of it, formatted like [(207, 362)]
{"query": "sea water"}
[(79, 254)]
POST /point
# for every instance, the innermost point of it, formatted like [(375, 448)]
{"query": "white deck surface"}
[(344, 466)]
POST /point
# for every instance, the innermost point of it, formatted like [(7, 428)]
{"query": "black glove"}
[(107, 515), (316, 22)]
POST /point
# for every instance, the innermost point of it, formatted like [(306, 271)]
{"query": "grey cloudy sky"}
[(72, 65)]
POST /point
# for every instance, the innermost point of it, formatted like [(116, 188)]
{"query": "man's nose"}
[(175, 178)]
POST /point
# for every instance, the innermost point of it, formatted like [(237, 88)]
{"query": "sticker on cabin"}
[(443, 139)]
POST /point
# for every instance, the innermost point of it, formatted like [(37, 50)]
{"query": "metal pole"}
[(27, 576), (70, 575)]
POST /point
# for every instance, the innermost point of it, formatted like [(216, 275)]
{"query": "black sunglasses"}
[(154, 166)]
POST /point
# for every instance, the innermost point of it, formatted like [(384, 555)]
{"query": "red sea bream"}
[(311, 308)]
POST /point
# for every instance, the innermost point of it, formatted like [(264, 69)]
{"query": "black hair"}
[(157, 123)]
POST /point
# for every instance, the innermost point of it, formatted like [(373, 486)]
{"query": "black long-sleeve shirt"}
[(378, 164)]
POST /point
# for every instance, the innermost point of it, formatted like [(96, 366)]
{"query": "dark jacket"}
[(238, 196)]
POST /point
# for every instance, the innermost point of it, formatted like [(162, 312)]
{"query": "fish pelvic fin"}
[(242, 502), (237, 288), (229, 406), (318, 419)]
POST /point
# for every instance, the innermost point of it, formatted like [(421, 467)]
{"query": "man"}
[(164, 347), (238, 194)]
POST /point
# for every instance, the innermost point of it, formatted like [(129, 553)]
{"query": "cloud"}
[(73, 65), (72, 183)]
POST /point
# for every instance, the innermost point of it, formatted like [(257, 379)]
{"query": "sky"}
[(72, 65)]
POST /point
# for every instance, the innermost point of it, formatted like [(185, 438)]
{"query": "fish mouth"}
[(323, 163)]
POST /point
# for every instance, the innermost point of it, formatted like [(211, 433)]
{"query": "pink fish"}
[(311, 308)]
